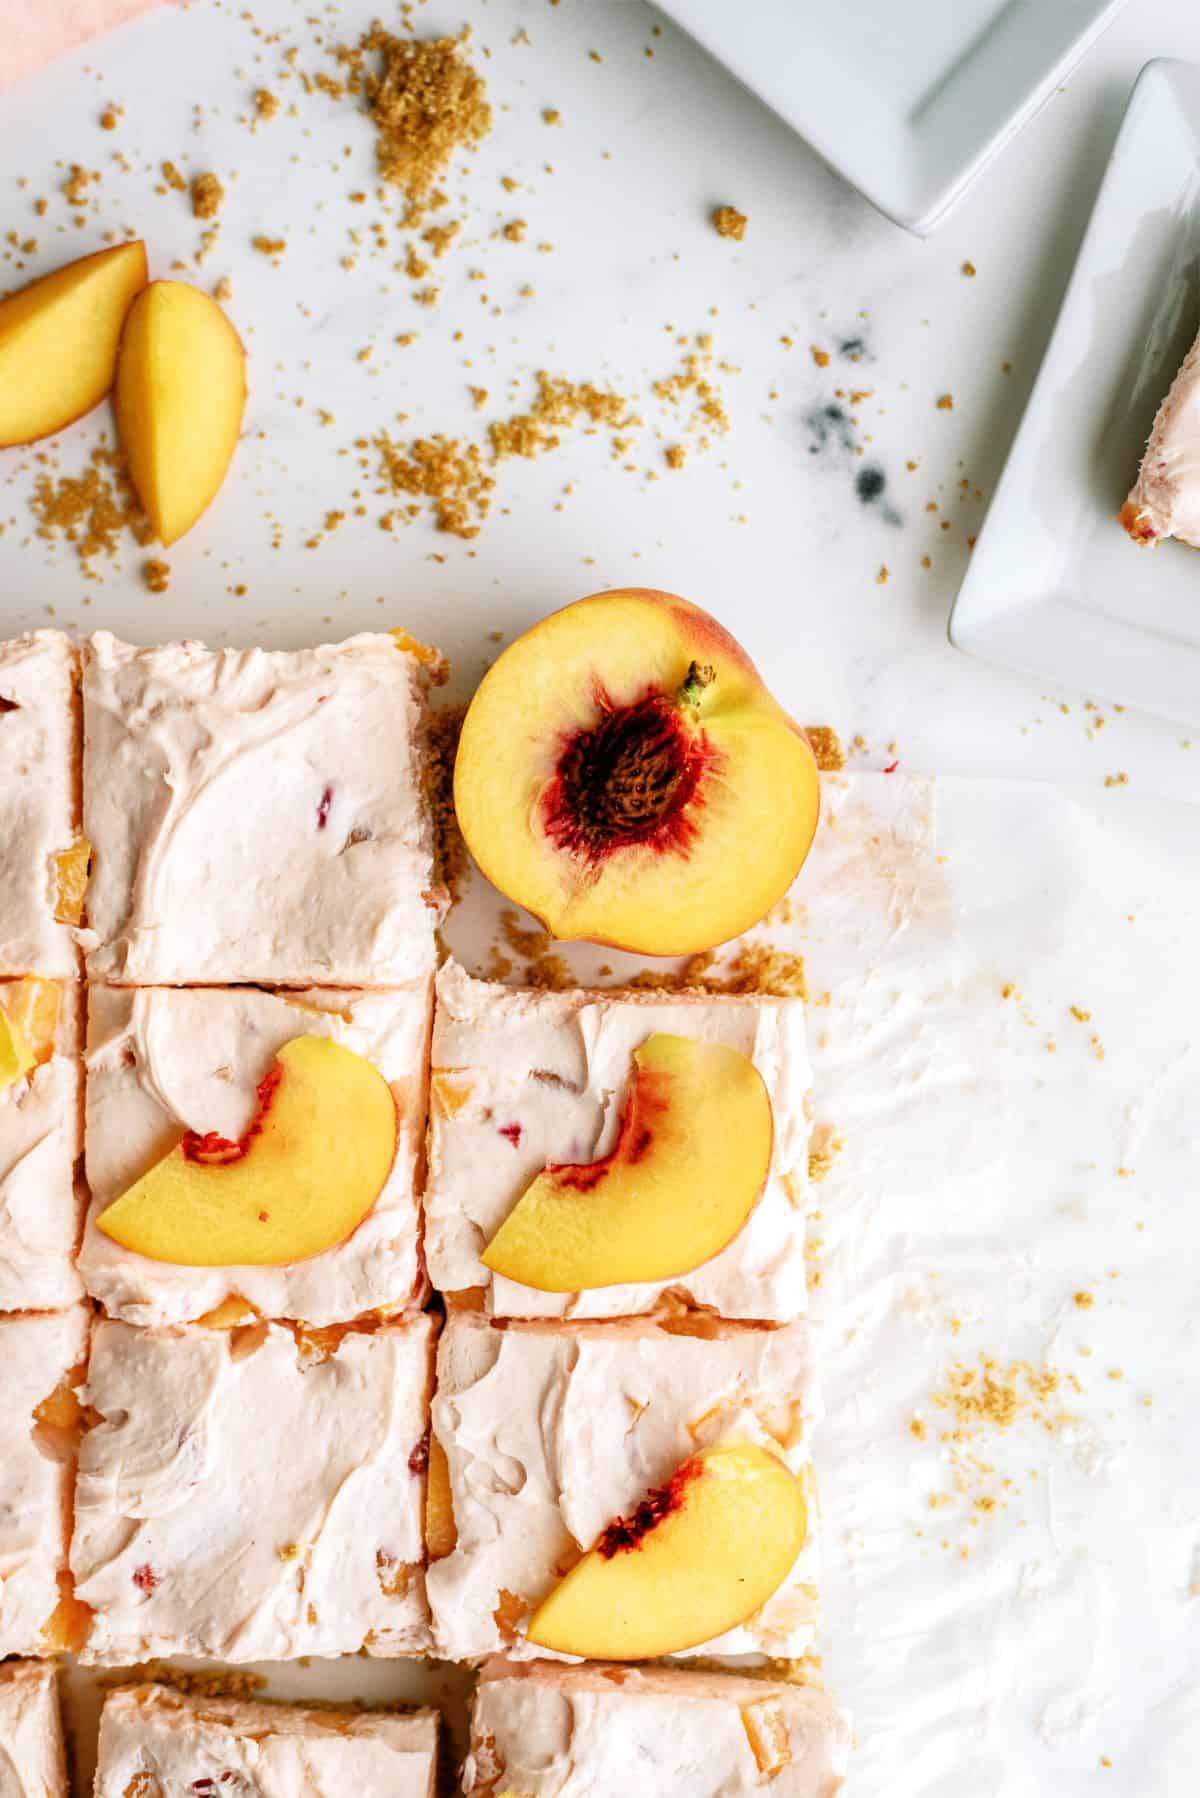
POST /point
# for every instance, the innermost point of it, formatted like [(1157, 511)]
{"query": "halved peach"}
[(698, 1556), (180, 393), (303, 1177), (625, 775), (58, 341), (687, 1169)]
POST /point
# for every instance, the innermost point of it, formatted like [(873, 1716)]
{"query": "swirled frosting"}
[(38, 772), (40, 1208), (33, 1762)]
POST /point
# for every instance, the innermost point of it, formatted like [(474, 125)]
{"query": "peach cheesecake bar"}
[(170, 1067), (33, 1759), (545, 1730), (1164, 501), (657, 1479), (257, 815), (41, 1098), (525, 1081), (254, 1494), (44, 865), (157, 1741), (42, 1356)]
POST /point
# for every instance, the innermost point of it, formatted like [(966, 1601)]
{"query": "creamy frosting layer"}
[(549, 1731), (252, 1496), (39, 756), (162, 1060), (37, 1354), (257, 814), (552, 1431), (33, 1761), (177, 1744), (521, 1079), (40, 1205), (1165, 499)]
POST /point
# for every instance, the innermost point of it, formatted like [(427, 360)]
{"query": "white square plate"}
[(908, 102), (1055, 587)]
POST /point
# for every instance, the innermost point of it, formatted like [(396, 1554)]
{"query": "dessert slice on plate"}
[(45, 862), (41, 1207), (593, 1154), (254, 1494), (32, 1752), (551, 1731), (258, 815), (1165, 499), (42, 1357), (154, 1739), (622, 1491), (254, 1152)]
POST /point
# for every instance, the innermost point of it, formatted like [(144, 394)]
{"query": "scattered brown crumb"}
[(173, 178), (551, 115), (219, 1682), (444, 471), (108, 120), (450, 858), (826, 746), (969, 269), (269, 246), (223, 289), (991, 1396), (266, 104), (1084, 1300), (675, 456), (945, 402), (881, 579), (819, 356), (75, 187), (917, 1428), (754, 968), (515, 230), (1116, 780), (825, 1145), (157, 575), (93, 509), (727, 221), (207, 195)]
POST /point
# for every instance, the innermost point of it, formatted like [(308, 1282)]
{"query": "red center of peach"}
[(212, 1148), (632, 781), (626, 1533)]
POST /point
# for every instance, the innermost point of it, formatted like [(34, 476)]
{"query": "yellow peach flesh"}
[(734, 1521), (687, 1169), (58, 341), (179, 397), (304, 1177), (691, 840)]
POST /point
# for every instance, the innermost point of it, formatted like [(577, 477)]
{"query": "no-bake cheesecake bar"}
[(546, 1730), (254, 1494), (154, 1740), (257, 815), (524, 1079), (39, 774), (162, 1060), (552, 1433), (41, 1356), (33, 1761), (41, 1203), (1165, 499)]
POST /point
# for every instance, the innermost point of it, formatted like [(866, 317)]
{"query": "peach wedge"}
[(180, 393), (625, 775), (698, 1556), (306, 1173), (58, 341), (687, 1169), (16, 1057)]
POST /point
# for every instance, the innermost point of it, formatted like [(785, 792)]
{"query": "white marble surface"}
[(633, 252)]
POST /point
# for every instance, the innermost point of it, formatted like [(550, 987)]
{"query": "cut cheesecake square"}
[(552, 1432), (41, 1200), (154, 1740), (257, 815), (547, 1730), (39, 777), (254, 1494), (523, 1079), (1165, 499), (43, 1360), (164, 1060), (33, 1759)]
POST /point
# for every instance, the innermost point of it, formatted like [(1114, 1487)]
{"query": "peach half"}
[(58, 341), (698, 1556), (306, 1173), (179, 397), (688, 1166), (625, 775)]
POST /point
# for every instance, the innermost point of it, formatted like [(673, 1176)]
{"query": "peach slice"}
[(441, 1531), (303, 1177), (180, 394), (625, 775), (30, 1009), (698, 1556), (687, 1169), (71, 869), (16, 1057), (58, 341)]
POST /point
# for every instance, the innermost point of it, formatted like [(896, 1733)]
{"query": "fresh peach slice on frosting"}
[(698, 1556), (688, 1166), (301, 1179), (625, 775)]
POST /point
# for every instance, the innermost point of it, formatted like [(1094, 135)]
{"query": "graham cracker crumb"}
[(157, 575), (945, 402), (450, 858), (819, 356), (1084, 1300), (219, 1682), (207, 195), (727, 221), (93, 509), (266, 104), (173, 178), (826, 746), (968, 269), (824, 1148), (675, 456), (268, 246)]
